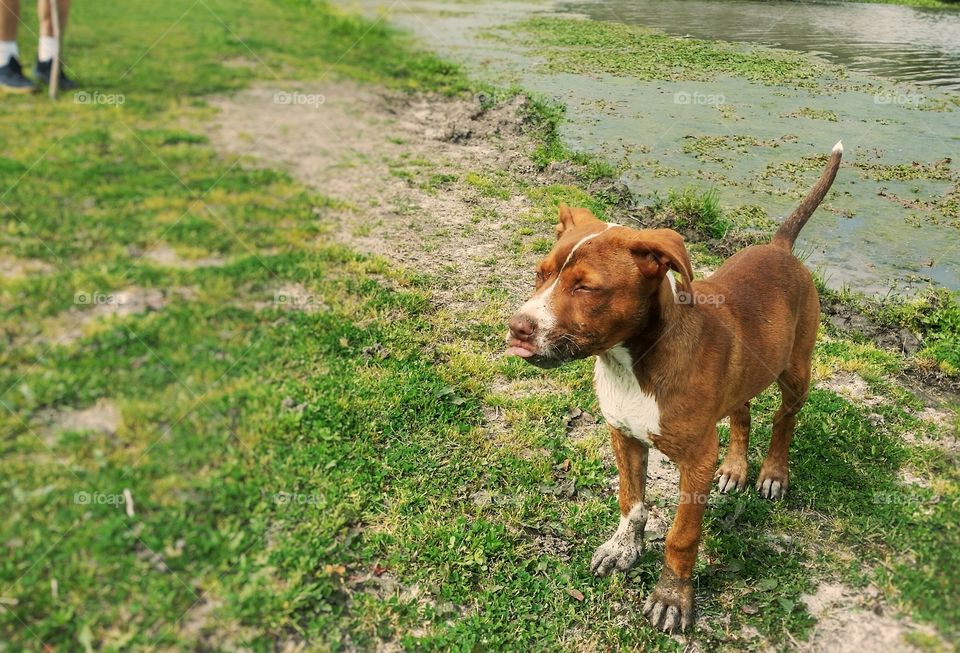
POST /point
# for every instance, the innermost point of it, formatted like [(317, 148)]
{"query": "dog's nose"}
[(522, 327)]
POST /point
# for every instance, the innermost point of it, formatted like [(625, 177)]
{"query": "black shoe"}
[(42, 72), (12, 79)]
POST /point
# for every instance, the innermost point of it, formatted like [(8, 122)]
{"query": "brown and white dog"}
[(673, 358)]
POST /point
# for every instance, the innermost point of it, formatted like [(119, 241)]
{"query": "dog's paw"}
[(670, 606), (624, 547), (615, 553), (731, 477), (772, 484)]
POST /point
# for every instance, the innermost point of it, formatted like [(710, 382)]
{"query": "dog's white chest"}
[(623, 403)]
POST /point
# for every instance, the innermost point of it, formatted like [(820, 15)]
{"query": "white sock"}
[(8, 50), (49, 48)]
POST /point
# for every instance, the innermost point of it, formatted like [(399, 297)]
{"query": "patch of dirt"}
[(399, 164), (71, 325), (939, 417), (850, 621), (847, 319), (204, 628), (945, 439), (163, 254), (545, 542), (103, 417), (19, 267), (663, 477), (907, 477), (853, 388), (240, 62), (528, 387), (922, 379)]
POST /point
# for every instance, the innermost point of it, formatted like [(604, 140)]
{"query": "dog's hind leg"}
[(623, 548), (774, 474), (732, 473), (794, 384)]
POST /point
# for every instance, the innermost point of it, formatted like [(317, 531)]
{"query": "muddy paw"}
[(670, 606), (615, 553), (731, 476), (622, 550), (772, 484)]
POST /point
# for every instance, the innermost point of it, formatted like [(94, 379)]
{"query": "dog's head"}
[(600, 283)]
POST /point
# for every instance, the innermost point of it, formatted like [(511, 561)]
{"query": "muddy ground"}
[(350, 146)]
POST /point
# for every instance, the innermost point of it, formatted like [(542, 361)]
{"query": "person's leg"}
[(49, 46), (9, 20), (11, 74)]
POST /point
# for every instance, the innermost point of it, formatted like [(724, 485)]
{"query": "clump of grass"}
[(696, 210), (547, 116), (437, 181), (490, 186)]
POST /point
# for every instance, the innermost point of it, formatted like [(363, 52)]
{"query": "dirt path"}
[(359, 145), (397, 164)]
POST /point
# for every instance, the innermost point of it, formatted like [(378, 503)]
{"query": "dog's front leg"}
[(671, 603), (624, 546)]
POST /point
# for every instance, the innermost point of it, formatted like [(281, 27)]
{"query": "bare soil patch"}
[(859, 620), (398, 165), (163, 254), (853, 388), (73, 324), (18, 267), (102, 417)]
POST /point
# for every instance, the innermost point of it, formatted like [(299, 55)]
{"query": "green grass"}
[(333, 477), (697, 210)]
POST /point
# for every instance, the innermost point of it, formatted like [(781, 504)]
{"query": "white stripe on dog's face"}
[(539, 309)]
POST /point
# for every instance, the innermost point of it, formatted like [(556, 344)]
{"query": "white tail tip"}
[(838, 148)]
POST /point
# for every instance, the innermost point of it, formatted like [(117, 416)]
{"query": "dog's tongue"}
[(519, 351)]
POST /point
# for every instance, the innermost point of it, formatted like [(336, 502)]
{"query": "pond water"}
[(876, 230), (903, 43)]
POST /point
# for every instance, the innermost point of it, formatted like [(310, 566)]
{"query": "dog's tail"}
[(787, 233)]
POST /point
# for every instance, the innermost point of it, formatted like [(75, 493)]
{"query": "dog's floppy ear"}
[(570, 218), (658, 250)]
